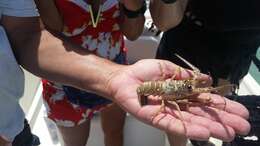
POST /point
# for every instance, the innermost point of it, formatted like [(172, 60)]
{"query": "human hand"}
[(198, 123)]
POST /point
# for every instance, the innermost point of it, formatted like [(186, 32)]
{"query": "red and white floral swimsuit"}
[(106, 40)]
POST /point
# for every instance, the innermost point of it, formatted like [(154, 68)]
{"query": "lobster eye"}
[(190, 87)]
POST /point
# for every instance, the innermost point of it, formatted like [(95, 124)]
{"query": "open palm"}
[(198, 122)]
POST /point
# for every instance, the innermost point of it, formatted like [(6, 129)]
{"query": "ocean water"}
[(253, 69)]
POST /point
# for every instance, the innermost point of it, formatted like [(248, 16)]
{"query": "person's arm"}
[(132, 28), (166, 16), (50, 15), (46, 56)]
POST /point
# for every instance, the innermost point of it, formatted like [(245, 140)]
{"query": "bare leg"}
[(177, 140), (113, 120), (77, 135)]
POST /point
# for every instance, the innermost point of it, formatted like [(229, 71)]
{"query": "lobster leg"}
[(177, 72), (161, 109), (180, 116), (163, 76), (174, 103)]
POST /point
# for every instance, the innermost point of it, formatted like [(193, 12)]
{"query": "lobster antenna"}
[(195, 69)]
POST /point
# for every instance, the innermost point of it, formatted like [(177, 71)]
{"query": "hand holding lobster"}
[(197, 122), (182, 92)]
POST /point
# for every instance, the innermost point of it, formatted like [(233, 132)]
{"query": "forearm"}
[(166, 16), (49, 57), (132, 28), (71, 65)]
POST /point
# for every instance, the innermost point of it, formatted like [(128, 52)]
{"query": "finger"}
[(171, 124), (236, 108), (202, 80), (178, 127), (157, 69), (188, 124), (227, 105), (170, 69), (239, 124), (217, 130)]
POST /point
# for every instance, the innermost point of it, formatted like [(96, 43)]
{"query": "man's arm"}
[(46, 56), (166, 16)]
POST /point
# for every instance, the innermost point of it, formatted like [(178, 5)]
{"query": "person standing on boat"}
[(55, 58), (219, 37), (97, 26)]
